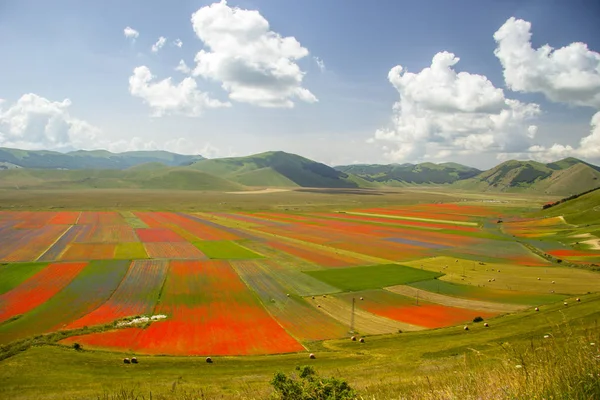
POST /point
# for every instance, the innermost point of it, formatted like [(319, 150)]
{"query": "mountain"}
[(564, 177), (277, 168), (147, 176), (82, 159), (401, 174)]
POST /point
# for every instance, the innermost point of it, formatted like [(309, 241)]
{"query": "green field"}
[(372, 277), (12, 275), (225, 250)]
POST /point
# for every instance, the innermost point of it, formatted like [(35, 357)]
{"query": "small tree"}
[(310, 386), (477, 319), (77, 346)]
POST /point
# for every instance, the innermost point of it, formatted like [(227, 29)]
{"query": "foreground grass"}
[(408, 365)]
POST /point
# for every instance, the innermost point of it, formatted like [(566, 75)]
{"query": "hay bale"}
[(466, 328), (288, 295), (353, 338), (209, 360), (489, 280), (312, 356), (537, 309), (486, 325), (538, 279), (553, 282), (362, 298), (134, 360), (578, 299), (313, 297), (126, 361), (565, 303), (362, 340)]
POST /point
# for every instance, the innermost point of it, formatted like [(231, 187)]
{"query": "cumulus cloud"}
[(178, 43), (159, 44), (131, 33), (166, 98), (442, 111), (253, 64), (34, 122), (183, 67), (569, 75), (320, 63)]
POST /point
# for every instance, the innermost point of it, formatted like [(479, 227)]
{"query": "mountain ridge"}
[(166, 170)]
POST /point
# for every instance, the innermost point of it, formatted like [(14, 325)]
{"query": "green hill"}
[(564, 177), (95, 159), (141, 177), (276, 168), (582, 210), (402, 174)]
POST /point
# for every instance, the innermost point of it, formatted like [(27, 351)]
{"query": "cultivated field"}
[(269, 282)]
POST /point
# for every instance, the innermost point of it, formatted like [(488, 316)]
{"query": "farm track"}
[(455, 301)]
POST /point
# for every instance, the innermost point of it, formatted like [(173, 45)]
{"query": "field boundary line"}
[(53, 243), (439, 221), (452, 301), (264, 306)]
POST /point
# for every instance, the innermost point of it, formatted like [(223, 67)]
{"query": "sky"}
[(338, 81)]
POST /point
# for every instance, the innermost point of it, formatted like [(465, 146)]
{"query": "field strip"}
[(57, 239), (369, 259), (366, 258), (364, 321), (455, 301), (439, 221)]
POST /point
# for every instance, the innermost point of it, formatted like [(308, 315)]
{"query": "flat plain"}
[(259, 285)]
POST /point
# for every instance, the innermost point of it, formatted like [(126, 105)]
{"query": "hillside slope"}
[(582, 210), (401, 174), (95, 159), (276, 168), (176, 178), (564, 177)]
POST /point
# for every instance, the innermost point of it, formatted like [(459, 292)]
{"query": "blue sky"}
[(57, 50)]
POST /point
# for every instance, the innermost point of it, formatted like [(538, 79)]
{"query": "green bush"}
[(477, 319), (310, 386)]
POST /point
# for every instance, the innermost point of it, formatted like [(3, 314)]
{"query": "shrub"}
[(77, 346), (477, 319), (310, 386)]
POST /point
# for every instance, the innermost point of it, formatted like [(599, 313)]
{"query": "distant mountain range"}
[(81, 159), (164, 170)]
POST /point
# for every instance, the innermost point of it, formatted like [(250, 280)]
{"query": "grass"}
[(484, 294), (12, 275), (130, 251), (372, 277), (225, 249)]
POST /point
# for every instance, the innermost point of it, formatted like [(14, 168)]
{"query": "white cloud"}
[(159, 44), (165, 98), (254, 64), (320, 63), (183, 68), (34, 122), (442, 111), (569, 75), (178, 43), (131, 33)]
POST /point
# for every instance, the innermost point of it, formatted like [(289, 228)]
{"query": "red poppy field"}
[(104, 269)]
